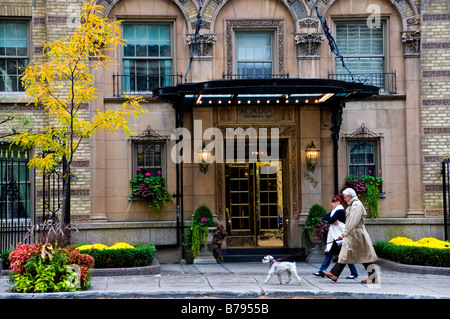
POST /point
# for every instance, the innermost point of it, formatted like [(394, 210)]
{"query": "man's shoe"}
[(370, 281), (319, 274), (331, 276), (351, 277)]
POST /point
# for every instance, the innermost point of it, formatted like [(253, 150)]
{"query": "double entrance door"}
[(254, 197)]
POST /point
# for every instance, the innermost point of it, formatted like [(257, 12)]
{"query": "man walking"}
[(357, 246)]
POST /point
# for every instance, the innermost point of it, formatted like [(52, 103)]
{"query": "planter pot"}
[(205, 255), (316, 254)]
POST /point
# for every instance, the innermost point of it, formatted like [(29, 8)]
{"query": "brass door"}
[(255, 204)]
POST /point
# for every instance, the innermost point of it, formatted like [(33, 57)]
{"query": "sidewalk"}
[(246, 280)]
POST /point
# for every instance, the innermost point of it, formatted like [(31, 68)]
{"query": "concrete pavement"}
[(246, 280)]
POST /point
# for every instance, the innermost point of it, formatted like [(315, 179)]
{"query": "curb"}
[(138, 294), (425, 270), (154, 268)]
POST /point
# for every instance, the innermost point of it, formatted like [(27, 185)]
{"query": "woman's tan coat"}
[(357, 247)]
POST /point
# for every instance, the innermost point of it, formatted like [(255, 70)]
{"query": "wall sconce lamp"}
[(312, 156), (204, 158)]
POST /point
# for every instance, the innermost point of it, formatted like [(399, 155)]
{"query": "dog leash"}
[(330, 242), (314, 248)]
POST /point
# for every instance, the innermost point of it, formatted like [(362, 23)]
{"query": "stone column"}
[(308, 41), (411, 39), (310, 181)]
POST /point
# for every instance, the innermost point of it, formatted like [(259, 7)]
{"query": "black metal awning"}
[(285, 91)]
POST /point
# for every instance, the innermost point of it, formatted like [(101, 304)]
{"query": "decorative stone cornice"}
[(411, 39), (204, 43), (308, 44)]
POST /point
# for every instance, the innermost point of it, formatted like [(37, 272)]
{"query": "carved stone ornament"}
[(308, 44), (204, 43), (308, 22), (411, 39)]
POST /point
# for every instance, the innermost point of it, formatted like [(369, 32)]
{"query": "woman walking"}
[(357, 246), (336, 219)]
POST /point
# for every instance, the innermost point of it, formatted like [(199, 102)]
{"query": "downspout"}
[(336, 121)]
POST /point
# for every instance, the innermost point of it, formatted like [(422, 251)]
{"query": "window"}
[(13, 55), (362, 157), (150, 156), (149, 152), (363, 152), (147, 57), (363, 50), (14, 183), (254, 54)]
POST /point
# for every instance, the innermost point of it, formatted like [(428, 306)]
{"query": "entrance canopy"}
[(279, 91), (283, 91)]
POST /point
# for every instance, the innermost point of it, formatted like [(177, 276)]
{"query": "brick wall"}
[(49, 20), (435, 98)]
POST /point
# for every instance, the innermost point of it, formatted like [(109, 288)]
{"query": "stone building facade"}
[(400, 134)]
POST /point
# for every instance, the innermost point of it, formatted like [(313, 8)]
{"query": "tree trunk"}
[(65, 211)]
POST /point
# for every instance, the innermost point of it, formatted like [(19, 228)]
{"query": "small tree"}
[(64, 86)]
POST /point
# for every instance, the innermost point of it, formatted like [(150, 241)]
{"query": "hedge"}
[(141, 255), (412, 255)]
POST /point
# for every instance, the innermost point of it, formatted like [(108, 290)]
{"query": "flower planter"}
[(205, 255), (316, 254)]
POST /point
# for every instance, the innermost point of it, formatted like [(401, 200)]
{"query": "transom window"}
[(13, 55), (254, 54), (147, 57)]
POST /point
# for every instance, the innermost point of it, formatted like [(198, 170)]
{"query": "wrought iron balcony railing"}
[(143, 84), (387, 82), (254, 76)]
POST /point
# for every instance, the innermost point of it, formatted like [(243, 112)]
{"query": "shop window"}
[(14, 55), (147, 57)]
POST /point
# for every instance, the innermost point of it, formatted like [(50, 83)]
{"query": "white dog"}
[(279, 267)]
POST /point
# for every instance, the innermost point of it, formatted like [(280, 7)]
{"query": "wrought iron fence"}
[(446, 194), (15, 198), (143, 84), (25, 200), (387, 82)]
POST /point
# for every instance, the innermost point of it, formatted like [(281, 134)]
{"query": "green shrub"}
[(141, 255), (412, 255), (197, 233), (5, 258), (43, 268), (315, 215)]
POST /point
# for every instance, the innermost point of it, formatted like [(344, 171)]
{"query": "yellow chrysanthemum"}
[(121, 246), (424, 242), (99, 246), (85, 247)]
